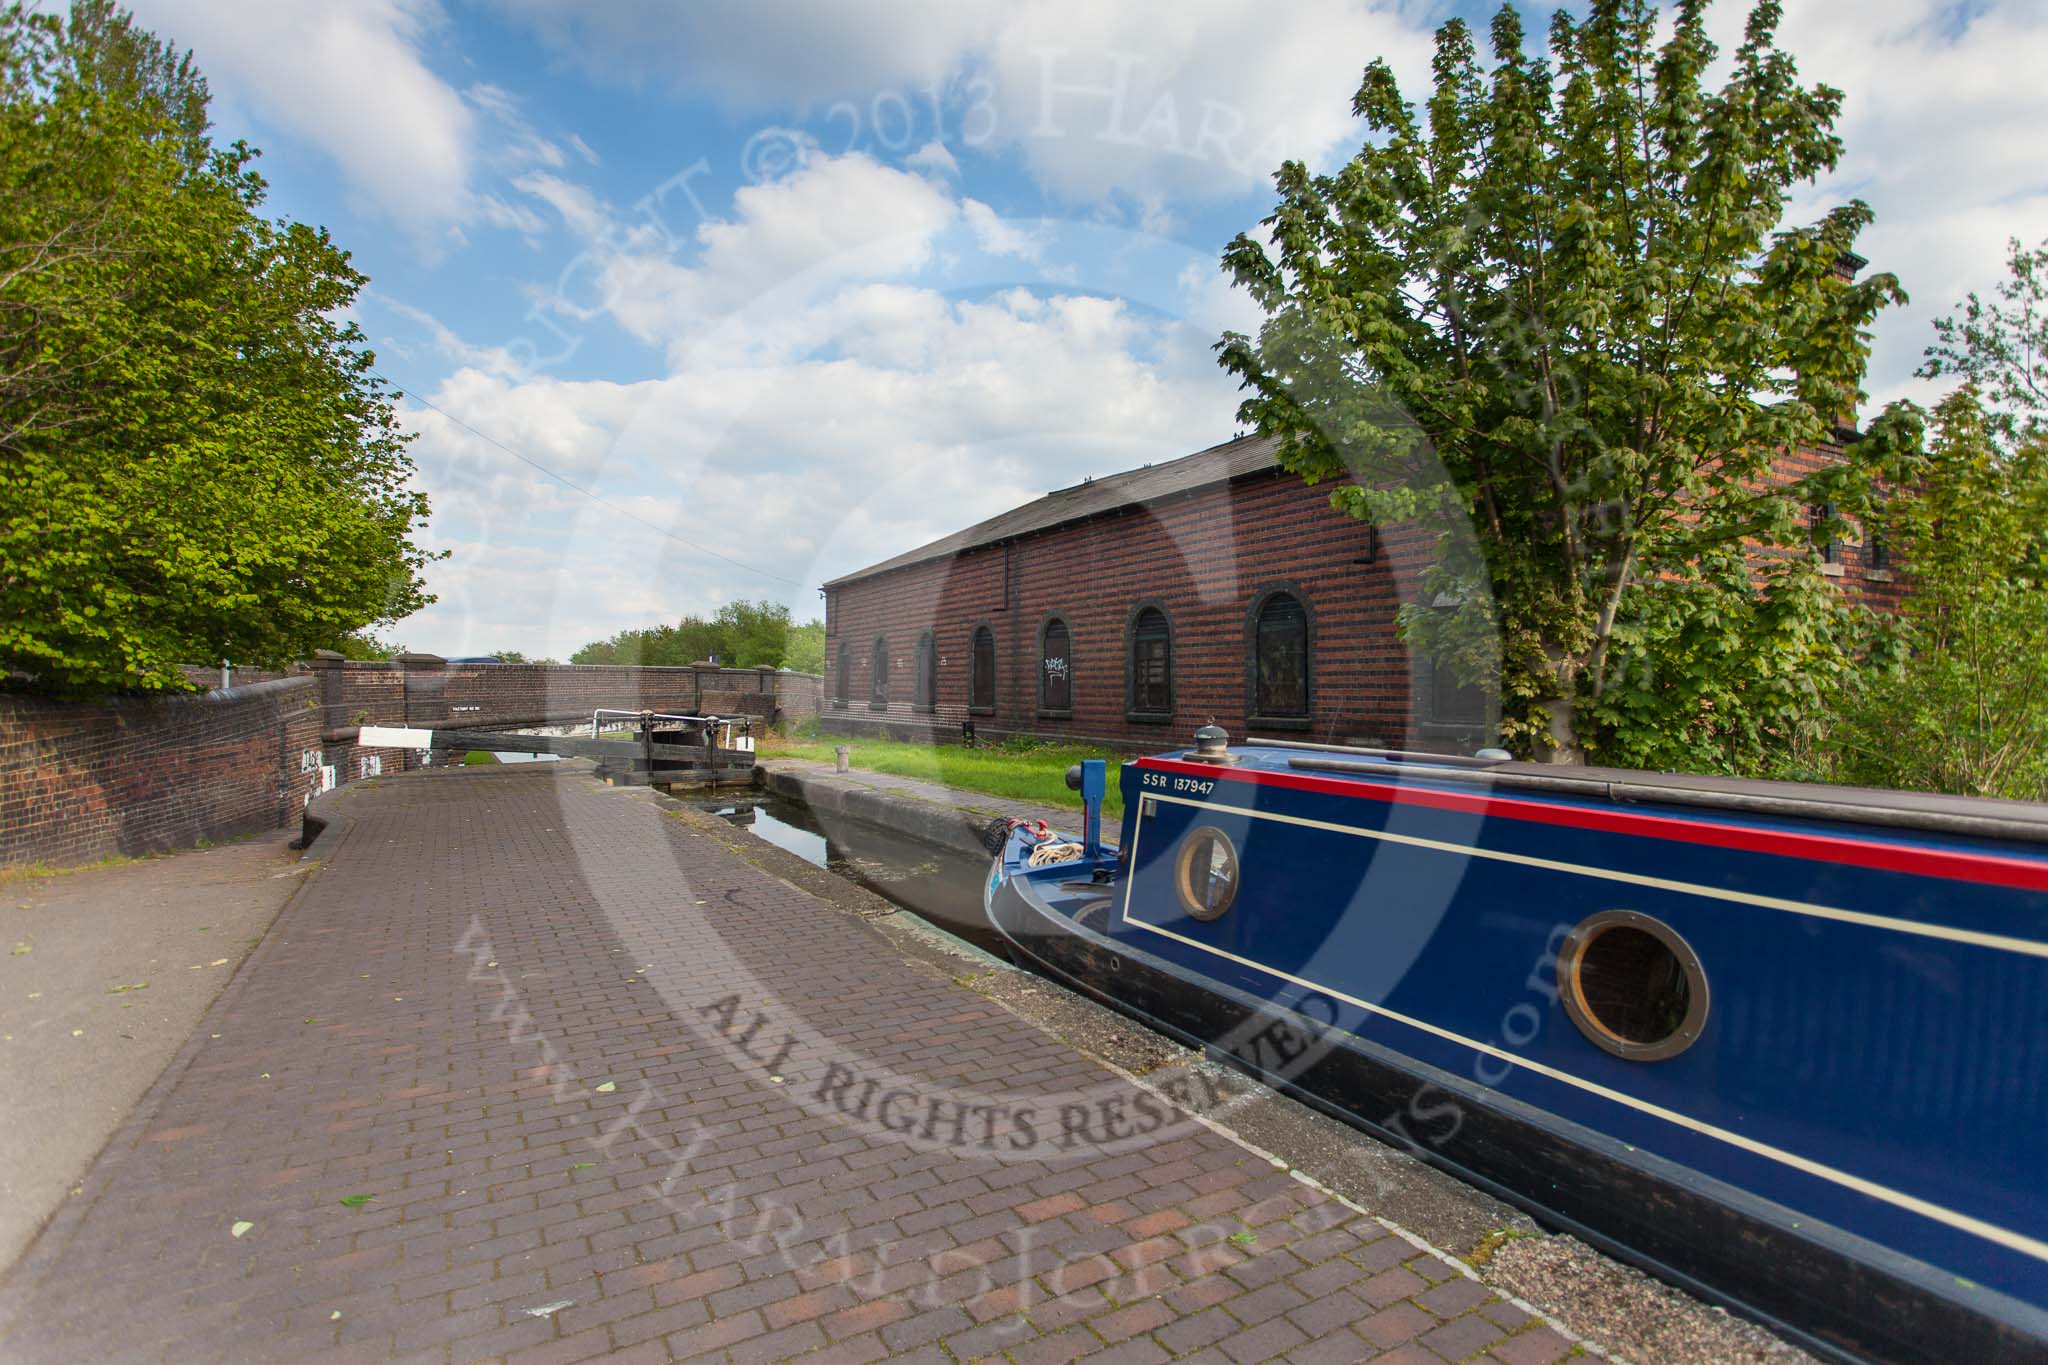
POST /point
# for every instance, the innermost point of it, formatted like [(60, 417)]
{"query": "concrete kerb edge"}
[(953, 827), (18, 1282), (324, 823)]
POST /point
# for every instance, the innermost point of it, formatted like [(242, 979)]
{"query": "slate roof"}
[(1133, 488)]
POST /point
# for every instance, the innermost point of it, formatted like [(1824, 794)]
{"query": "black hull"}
[(1837, 1295)]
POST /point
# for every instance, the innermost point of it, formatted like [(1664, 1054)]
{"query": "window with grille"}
[(981, 670), (1280, 657), (1877, 548), (1151, 664), (1055, 668), (927, 682), (1819, 515)]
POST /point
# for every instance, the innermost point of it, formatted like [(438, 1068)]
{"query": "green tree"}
[(361, 644), (1967, 709), (750, 634), (739, 635), (805, 652), (196, 461), (1560, 309), (2001, 347)]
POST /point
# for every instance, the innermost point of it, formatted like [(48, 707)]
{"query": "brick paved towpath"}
[(612, 1090)]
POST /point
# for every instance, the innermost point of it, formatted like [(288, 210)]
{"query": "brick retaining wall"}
[(81, 781)]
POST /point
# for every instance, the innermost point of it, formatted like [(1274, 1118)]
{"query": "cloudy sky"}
[(696, 302)]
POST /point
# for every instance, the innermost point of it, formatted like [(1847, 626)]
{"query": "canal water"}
[(942, 888)]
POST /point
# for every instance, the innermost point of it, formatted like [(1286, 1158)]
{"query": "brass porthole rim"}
[(1183, 874), (1572, 994)]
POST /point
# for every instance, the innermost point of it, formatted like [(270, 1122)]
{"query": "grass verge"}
[(1023, 772)]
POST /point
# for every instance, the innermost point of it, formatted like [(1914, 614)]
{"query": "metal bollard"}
[(845, 757)]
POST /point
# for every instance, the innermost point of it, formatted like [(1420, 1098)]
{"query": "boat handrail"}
[(1977, 817), (1404, 756)]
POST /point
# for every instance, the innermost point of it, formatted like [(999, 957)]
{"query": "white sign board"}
[(394, 737)]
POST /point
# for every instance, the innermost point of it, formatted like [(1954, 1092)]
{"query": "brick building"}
[(1133, 608)]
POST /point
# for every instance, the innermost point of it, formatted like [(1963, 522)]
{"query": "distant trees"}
[(1561, 309), (1963, 705), (2001, 347), (196, 461), (361, 644), (739, 635), (805, 650), (1966, 708)]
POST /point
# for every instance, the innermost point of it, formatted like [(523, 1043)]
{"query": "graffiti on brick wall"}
[(372, 765), (326, 776)]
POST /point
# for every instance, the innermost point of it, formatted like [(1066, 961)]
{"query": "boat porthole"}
[(1205, 874), (1633, 986)]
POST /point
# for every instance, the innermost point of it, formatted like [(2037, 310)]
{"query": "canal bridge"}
[(374, 712)]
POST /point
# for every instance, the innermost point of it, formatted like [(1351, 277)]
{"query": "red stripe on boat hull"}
[(1988, 869)]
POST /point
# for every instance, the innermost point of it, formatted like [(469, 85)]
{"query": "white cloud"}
[(353, 82), (765, 54), (512, 217), (578, 208), (1141, 109), (1187, 97), (933, 156), (348, 79), (998, 236), (1942, 135), (806, 469), (491, 360), (1148, 98), (824, 407), (833, 221)]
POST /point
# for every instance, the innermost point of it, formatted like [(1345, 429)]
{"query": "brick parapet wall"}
[(207, 676), (82, 781), (427, 692)]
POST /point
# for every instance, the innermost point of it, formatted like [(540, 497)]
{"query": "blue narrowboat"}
[(1783, 1045)]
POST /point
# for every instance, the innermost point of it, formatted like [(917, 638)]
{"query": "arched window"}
[(1151, 693), (878, 678), (1056, 668), (926, 683), (1451, 705), (842, 682), (981, 671), (1280, 658)]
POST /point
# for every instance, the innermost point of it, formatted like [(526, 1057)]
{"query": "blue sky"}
[(794, 285)]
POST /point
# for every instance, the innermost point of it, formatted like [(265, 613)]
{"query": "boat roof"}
[(1092, 498), (1969, 816)]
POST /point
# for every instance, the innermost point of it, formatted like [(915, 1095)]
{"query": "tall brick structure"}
[(1132, 609)]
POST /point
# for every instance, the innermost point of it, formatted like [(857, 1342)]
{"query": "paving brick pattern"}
[(497, 1011)]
